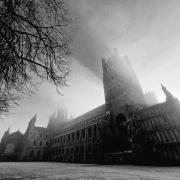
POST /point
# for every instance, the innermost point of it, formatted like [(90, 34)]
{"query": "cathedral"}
[(126, 129)]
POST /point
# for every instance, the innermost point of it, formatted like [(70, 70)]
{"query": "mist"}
[(147, 31)]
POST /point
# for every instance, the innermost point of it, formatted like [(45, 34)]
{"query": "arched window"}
[(82, 149), (72, 136), (38, 153), (77, 149), (10, 148), (31, 153), (90, 132), (40, 143), (68, 138), (77, 135), (83, 133), (90, 148), (95, 129)]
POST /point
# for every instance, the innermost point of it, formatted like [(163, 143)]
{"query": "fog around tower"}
[(147, 31)]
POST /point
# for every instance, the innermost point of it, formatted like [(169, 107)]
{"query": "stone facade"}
[(80, 140), (156, 133), (11, 145), (35, 142), (124, 129)]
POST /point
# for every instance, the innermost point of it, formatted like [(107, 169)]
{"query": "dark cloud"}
[(141, 29), (104, 24)]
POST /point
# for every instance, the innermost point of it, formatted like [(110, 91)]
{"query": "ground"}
[(66, 171)]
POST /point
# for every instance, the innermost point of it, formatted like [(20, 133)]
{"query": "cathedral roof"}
[(84, 117), (42, 129), (15, 134)]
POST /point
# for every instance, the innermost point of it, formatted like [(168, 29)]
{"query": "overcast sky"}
[(147, 31)]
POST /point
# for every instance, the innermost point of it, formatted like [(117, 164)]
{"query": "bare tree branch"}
[(35, 41)]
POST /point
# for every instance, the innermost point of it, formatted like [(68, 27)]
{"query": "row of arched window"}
[(76, 136), (42, 135), (154, 111), (171, 154), (159, 122), (78, 149), (40, 143), (37, 153)]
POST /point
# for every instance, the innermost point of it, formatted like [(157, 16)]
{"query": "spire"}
[(167, 93), (33, 120), (8, 130), (6, 133)]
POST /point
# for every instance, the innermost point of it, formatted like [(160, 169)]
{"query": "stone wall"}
[(157, 133), (11, 146), (81, 142)]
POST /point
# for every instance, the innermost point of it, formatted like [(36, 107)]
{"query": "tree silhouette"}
[(35, 42)]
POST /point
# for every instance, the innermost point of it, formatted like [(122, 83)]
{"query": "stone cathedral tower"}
[(121, 86)]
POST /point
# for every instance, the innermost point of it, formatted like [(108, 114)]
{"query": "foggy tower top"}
[(121, 86)]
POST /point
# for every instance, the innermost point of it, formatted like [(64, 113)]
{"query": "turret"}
[(32, 122), (57, 120), (8, 130), (171, 100), (6, 133), (167, 93), (51, 124)]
